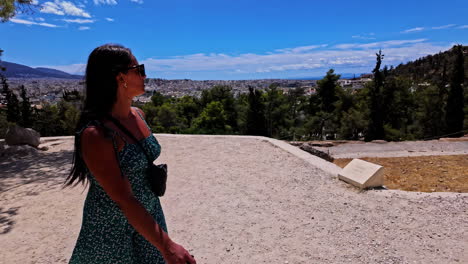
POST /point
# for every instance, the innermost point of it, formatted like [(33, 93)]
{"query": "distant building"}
[(355, 83)]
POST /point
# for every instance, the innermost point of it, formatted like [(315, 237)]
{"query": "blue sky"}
[(236, 39)]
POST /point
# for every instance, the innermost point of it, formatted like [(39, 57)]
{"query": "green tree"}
[(48, 121), (68, 115), (454, 111), (13, 106), (256, 123), (158, 99), (9, 8), (26, 109), (326, 91), (353, 124), (224, 95), (376, 122), (3, 123), (212, 119), (397, 107), (276, 112), (167, 118), (187, 110)]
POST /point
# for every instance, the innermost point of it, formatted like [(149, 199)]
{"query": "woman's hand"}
[(176, 254)]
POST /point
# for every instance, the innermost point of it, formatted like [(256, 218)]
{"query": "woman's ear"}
[(120, 78)]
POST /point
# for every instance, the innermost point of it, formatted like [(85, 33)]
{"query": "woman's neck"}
[(122, 109)]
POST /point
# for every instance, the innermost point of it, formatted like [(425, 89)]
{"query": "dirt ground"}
[(422, 173), (239, 200)]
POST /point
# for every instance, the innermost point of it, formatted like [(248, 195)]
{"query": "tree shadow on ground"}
[(49, 168), (6, 219)]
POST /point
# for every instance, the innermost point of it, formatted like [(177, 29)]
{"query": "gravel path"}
[(397, 149), (241, 200)]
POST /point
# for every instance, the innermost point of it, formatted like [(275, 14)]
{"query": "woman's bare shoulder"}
[(95, 136), (139, 111)]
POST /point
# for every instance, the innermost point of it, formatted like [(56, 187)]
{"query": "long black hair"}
[(104, 64)]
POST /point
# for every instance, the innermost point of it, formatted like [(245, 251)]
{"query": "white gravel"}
[(397, 149), (242, 200)]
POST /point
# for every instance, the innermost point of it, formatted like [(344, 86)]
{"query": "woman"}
[(123, 221)]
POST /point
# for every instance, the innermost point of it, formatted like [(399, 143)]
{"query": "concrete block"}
[(362, 174)]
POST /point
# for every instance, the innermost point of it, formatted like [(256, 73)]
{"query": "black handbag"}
[(157, 174)]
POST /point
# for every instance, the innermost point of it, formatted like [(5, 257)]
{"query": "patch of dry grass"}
[(422, 173)]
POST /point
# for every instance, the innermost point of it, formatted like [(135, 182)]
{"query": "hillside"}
[(14, 70), (431, 68)]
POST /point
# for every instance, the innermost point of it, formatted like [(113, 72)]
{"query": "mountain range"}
[(15, 70)]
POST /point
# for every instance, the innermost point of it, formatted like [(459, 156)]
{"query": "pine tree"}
[(26, 109), (9, 8), (376, 122), (327, 91), (256, 123), (454, 112), (13, 107)]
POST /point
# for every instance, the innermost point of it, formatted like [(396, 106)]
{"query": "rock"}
[(17, 135), (306, 147), (18, 151)]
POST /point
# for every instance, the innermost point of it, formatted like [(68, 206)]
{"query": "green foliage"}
[(375, 129), (47, 121), (158, 99), (13, 107), (256, 123), (167, 119), (326, 91), (225, 96), (353, 124), (432, 68), (26, 109), (4, 124), (68, 115), (9, 8), (276, 112), (454, 114), (394, 106), (213, 119)]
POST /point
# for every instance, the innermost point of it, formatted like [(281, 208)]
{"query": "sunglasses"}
[(140, 68)]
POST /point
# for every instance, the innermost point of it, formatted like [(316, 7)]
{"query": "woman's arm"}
[(99, 155)]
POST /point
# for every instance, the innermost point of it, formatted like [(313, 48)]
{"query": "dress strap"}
[(109, 132), (142, 119)]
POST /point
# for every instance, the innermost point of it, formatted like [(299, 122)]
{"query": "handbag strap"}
[(128, 133)]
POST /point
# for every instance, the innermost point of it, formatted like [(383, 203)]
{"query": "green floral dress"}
[(105, 235)]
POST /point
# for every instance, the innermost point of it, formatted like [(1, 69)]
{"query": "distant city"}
[(50, 90)]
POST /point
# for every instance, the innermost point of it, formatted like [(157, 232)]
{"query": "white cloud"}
[(105, 2), (34, 2), (314, 62), (52, 8), (72, 68), (83, 28), (79, 21), (463, 27), (22, 21), (380, 44), (301, 49), (444, 27), (109, 19), (28, 22), (137, 1), (354, 57), (40, 19), (416, 29), (70, 9), (366, 36), (47, 25), (63, 8)]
